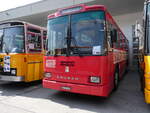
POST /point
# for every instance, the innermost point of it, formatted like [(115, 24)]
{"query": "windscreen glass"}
[(81, 33), (12, 40)]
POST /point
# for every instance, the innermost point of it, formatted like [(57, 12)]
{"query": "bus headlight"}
[(95, 79), (48, 75), (13, 72)]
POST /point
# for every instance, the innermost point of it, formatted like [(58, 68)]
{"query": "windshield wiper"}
[(2, 45), (68, 39), (6, 48)]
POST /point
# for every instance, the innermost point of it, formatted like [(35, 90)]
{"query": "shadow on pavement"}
[(127, 99), (17, 88)]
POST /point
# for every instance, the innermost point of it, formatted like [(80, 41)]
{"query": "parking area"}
[(32, 98)]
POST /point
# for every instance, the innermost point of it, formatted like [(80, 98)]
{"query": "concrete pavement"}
[(32, 98)]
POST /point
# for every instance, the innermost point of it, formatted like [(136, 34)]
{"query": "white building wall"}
[(37, 8), (125, 22)]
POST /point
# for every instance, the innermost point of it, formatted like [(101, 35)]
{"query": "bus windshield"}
[(12, 40), (81, 33)]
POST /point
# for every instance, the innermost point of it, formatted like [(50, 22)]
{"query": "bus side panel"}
[(122, 68), (17, 61), (111, 70), (34, 67), (147, 96), (30, 72), (147, 78)]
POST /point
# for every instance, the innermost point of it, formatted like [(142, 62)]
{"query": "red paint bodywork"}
[(84, 67)]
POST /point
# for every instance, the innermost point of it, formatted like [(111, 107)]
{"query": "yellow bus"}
[(22, 46), (144, 53)]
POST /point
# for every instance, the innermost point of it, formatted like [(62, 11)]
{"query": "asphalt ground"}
[(32, 98)]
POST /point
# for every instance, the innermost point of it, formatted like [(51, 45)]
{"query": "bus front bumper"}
[(11, 78), (147, 96), (77, 88)]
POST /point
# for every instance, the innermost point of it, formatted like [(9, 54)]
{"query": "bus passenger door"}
[(34, 57)]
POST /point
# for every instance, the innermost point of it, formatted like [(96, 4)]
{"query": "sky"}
[(9, 4)]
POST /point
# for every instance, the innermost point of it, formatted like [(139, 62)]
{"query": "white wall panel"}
[(125, 22)]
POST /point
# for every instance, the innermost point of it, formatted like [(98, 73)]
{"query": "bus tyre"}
[(116, 80)]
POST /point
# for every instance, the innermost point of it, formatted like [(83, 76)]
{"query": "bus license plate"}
[(66, 88)]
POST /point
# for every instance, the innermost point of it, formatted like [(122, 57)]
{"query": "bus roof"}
[(82, 8), (17, 22), (76, 9), (113, 21)]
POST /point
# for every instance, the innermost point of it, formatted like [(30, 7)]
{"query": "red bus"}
[(87, 52)]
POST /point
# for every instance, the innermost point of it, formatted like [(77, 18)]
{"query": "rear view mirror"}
[(114, 35)]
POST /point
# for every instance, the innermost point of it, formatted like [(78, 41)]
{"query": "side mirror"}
[(113, 34)]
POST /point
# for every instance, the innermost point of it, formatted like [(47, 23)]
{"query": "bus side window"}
[(112, 34), (122, 42), (119, 40), (34, 40), (117, 37), (114, 38)]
